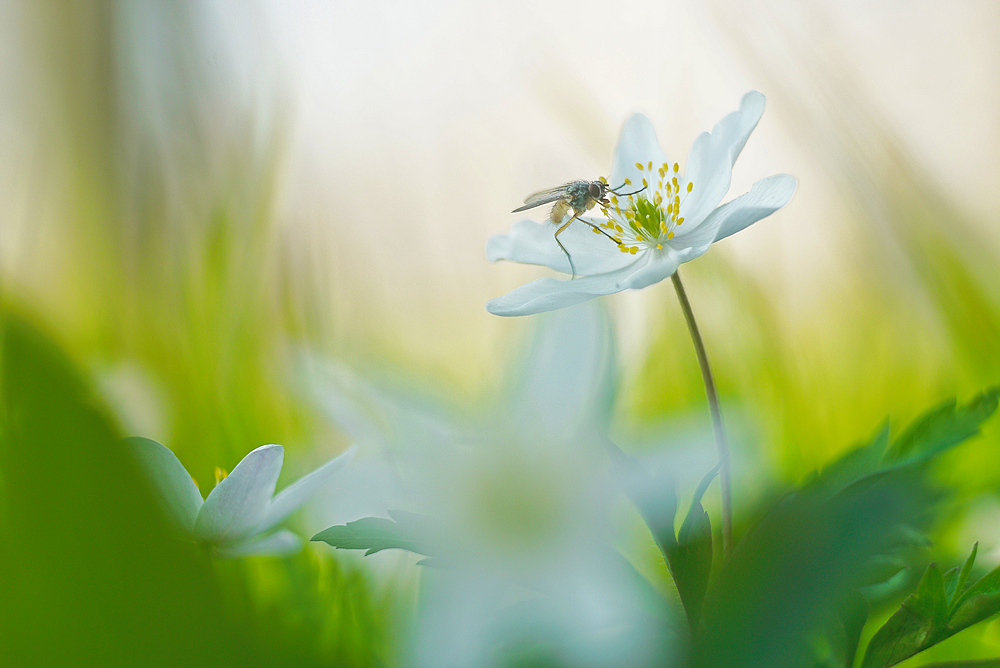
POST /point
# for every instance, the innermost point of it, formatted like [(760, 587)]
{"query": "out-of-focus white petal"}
[(636, 144), (296, 494), (548, 294), (710, 163), (279, 544), (534, 243), (238, 503), (567, 381), (178, 493)]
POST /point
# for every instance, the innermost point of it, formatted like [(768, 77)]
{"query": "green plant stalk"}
[(713, 405)]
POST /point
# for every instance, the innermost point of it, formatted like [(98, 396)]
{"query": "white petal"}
[(710, 163), (534, 243), (178, 493), (566, 382), (549, 294), (296, 494), (636, 144), (238, 503), (765, 197), (278, 544)]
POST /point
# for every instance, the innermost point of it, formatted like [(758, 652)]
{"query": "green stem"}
[(713, 406)]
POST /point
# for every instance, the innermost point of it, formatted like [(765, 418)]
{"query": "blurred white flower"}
[(673, 219), (515, 503), (242, 507)]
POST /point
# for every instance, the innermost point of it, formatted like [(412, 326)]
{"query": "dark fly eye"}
[(596, 191)]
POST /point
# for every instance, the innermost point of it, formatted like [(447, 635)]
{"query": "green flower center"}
[(647, 219)]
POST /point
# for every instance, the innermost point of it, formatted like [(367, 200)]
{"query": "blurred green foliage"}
[(94, 575)]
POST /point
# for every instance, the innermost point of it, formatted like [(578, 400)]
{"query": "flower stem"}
[(713, 405)]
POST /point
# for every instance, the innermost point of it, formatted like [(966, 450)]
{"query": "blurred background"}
[(192, 192)]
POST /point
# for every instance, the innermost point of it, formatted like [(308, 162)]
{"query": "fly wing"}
[(543, 197)]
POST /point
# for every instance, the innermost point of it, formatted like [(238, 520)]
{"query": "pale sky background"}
[(446, 114), (410, 130)]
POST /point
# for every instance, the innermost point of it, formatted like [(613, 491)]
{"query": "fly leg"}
[(576, 216), (598, 229), (556, 237)]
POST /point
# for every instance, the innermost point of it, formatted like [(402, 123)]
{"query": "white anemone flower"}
[(234, 518), (518, 500), (674, 218)]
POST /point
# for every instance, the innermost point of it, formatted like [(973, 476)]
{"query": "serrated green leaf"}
[(942, 428), (690, 559), (919, 623), (975, 663), (988, 584), (856, 464), (375, 534), (795, 566), (939, 429), (973, 610), (980, 601), (955, 595), (930, 598), (950, 584)]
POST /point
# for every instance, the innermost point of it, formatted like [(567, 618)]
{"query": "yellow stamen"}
[(677, 168), (220, 474), (670, 235), (659, 246), (638, 166), (633, 250), (680, 220), (690, 186)]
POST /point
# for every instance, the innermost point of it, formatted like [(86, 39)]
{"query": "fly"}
[(580, 196)]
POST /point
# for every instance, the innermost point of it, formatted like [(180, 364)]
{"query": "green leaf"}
[(955, 594), (980, 601), (942, 428), (846, 631), (405, 531), (950, 584), (856, 464), (881, 569), (975, 663), (919, 623), (92, 574), (691, 558), (798, 563), (939, 429)]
